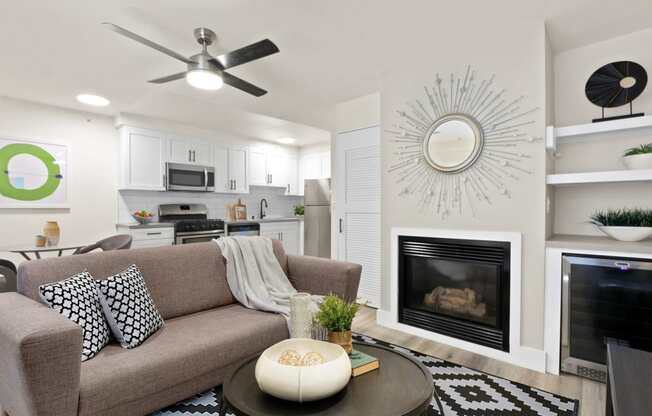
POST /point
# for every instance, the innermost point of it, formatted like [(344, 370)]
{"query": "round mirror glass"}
[(453, 143)]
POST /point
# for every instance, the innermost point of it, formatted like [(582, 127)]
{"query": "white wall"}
[(516, 54), (574, 204), (92, 143)]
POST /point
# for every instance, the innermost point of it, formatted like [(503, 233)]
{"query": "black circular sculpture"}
[(616, 84)]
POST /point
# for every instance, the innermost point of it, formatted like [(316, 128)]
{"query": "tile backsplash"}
[(278, 203)]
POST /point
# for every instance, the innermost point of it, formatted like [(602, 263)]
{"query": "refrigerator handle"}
[(340, 225)]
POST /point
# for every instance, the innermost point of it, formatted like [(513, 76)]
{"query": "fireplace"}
[(455, 287)]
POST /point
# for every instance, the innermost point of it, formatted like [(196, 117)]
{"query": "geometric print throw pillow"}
[(77, 299), (129, 307)]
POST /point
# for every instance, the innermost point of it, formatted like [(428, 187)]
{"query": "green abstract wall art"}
[(32, 175)]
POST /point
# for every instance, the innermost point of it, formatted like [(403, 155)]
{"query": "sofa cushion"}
[(182, 279), (77, 299), (129, 307), (186, 347)]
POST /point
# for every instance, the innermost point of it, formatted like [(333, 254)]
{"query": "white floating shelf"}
[(554, 135), (641, 175)]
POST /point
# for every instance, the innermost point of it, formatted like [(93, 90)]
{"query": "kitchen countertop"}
[(135, 225), (268, 219)]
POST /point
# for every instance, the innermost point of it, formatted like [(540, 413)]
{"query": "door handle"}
[(193, 156), (288, 188), (205, 179), (189, 155), (340, 225), (235, 184)]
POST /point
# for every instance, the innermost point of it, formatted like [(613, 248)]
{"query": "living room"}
[(471, 181)]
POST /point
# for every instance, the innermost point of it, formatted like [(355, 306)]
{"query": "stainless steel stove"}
[(191, 222)]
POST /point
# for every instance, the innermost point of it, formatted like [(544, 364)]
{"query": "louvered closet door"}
[(358, 206)]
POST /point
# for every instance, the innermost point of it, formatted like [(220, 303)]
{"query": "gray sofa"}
[(207, 333)]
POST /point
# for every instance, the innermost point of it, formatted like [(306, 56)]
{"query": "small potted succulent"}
[(143, 216), (624, 224), (336, 315), (638, 157), (299, 210)]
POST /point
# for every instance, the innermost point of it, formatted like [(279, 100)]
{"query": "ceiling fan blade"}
[(169, 78), (243, 85), (147, 42), (247, 54)]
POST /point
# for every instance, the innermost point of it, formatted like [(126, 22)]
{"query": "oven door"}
[(197, 236), (182, 177)]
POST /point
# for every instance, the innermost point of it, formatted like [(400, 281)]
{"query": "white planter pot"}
[(634, 162), (627, 233), (303, 384)]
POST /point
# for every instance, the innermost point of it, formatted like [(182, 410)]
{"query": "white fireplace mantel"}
[(518, 354)]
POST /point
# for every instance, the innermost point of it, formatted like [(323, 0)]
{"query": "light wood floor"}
[(590, 393)]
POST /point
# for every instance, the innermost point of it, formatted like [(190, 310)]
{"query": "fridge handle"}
[(340, 225)]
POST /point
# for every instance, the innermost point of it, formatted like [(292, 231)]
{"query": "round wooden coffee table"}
[(401, 386)]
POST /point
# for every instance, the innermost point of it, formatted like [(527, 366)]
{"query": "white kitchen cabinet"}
[(258, 167), (273, 167), (148, 236), (231, 164), (143, 154), (191, 151), (286, 231), (313, 166)]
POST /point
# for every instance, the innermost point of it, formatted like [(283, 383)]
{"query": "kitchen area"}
[(198, 190)]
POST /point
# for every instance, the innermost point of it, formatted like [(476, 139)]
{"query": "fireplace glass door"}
[(466, 290)]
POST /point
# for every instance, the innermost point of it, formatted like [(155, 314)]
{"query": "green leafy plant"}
[(299, 210), (335, 314), (641, 150), (623, 218)]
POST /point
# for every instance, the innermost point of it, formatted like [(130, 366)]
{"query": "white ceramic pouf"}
[(303, 384)]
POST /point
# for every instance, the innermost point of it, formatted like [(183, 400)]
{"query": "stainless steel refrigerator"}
[(317, 217)]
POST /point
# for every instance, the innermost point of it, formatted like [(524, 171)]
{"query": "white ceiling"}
[(331, 51)]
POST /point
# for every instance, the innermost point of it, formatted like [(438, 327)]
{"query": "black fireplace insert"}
[(456, 287)]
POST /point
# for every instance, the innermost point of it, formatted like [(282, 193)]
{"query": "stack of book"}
[(362, 363)]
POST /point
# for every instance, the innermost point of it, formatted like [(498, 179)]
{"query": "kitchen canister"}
[(52, 232), (301, 315)]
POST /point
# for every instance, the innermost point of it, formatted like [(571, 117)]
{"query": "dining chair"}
[(7, 276), (115, 242)]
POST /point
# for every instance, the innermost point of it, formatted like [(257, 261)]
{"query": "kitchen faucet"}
[(262, 211)]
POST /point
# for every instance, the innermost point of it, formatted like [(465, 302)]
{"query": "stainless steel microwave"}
[(185, 177)]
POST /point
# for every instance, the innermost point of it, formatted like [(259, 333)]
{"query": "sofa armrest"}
[(40, 359), (321, 276)]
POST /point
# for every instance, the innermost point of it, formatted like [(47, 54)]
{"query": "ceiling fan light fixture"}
[(204, 79)]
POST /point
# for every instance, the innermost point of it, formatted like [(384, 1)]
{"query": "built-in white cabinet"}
[(287, 232), (191, 151), (143, 154), (231, 166)]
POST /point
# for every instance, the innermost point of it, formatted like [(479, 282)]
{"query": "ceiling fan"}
[(204, 70)]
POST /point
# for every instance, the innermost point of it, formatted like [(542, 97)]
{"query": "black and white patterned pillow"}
[(77, 299), (129, 307)]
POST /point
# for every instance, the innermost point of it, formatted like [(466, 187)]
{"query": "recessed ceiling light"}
[(94, 100), (286, 140)]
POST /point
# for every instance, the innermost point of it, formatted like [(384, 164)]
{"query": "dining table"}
[(32, 251)]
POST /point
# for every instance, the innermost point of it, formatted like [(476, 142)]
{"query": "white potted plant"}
[(639, 157), (624, 224)]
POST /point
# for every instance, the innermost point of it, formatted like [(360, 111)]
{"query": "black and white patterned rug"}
[(461, 391)]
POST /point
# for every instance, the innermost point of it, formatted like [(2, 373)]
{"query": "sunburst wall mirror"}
[(462, 146)]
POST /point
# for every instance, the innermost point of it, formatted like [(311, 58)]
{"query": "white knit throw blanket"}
[(254, 274)]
